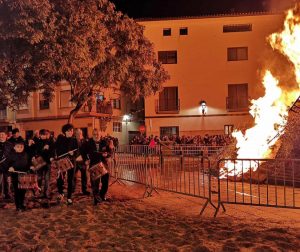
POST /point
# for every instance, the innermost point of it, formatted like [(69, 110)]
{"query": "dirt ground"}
[(162, 222)]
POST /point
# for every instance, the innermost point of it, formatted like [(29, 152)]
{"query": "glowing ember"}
[(270, 114), (270, 111)]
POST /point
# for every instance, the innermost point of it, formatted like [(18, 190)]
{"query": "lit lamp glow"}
[(126, 118), (203, 107)]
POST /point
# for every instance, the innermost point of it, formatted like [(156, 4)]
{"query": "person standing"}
[(44, 150), (36, 136), (15, 136), (5, 149), (18, 161), (80, 165), (96, 152), (66, 145)]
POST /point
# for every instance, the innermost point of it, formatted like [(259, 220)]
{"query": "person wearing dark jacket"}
[(15, 136), (67, 146), (30, 147), (5, 149), (44, 149), (18, 161), (80, 165), (96, 151)]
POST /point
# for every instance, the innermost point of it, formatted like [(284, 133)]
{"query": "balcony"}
[(237, 104), (104, 108), (167, 106), (99, 109)]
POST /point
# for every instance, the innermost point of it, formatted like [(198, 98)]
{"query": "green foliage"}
[(25, 29), (87, 43)]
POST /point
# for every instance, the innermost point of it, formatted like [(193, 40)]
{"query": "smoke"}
[(279, 5), (280, 66)]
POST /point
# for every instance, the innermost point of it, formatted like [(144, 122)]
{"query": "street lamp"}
[(203, 107), (126, 119)]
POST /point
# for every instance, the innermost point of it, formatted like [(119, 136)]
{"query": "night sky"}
[(173, 8)]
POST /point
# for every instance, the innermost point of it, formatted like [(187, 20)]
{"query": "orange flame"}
[(270, 111), (288, 41)]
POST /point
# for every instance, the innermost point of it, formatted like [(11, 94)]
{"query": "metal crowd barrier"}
[(171, 149), (130, 167), (180, 174), (258, 182), (138, 149), (184, 175), (196, 150)]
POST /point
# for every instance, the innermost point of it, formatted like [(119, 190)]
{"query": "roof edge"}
[(258, 13)]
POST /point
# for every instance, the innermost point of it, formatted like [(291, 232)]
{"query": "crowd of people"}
[(42, 155), (206, 140)]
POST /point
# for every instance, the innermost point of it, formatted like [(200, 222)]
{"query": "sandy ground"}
[(163, 222)]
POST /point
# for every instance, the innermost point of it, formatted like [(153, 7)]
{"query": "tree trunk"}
[(74, 112), (78, 106)]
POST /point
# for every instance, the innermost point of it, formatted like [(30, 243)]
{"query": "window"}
[(169, 131), (116, 103), (44, 102), (237, 53), (167, 57), (237, 99), (3, 112), (117, 127), (168, 100), (237, 28), (183, 31), (167, 31), (228, 129), (65, 99)]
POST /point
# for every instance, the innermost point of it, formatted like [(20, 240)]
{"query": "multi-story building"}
[(214, 64), (106, 112), (7, 118)]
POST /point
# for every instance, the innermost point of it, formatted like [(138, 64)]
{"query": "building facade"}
[(105, 112), (214, 64), (7, 118)]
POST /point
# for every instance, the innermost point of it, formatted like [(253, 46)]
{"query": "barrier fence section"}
[(129, 167), (171, 149), (187, 175), (138, 149), (257, 182)]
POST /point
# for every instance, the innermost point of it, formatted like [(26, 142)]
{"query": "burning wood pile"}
[(275, 134), (290, 140)]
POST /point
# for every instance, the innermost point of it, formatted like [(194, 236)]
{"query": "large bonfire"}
[(270, 112)]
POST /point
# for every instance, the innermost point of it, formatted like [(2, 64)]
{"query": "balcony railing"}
[(3, 114), (100, 108), (104, 108), (239, 104), (167, 106)]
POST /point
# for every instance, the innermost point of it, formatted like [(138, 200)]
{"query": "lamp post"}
[(126, 119), (203, 107)]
